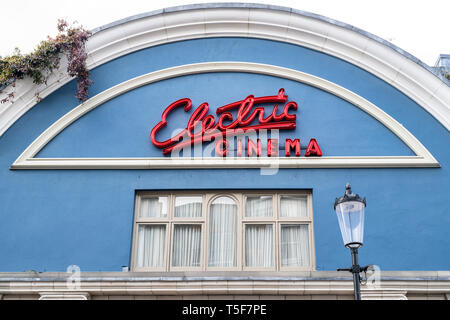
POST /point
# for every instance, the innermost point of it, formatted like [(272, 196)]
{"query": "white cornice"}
[(129, 287), (391, 285), (423, 157), (227, 20)]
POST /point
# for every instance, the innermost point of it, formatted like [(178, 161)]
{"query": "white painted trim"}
[(423, 158), (265, 23), (384, 294), (54, 295)]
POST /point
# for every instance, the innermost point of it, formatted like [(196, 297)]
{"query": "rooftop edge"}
[(214, 5)]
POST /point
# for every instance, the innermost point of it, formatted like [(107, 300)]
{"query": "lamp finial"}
[(348, 189)]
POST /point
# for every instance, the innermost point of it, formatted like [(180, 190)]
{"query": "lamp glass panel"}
[(351, 221)]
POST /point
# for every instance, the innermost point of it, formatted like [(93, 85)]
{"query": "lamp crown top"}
[(349, 196)]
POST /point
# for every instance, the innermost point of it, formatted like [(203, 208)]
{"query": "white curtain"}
[(151, 246), (223, 233), (294, 246), (259, 206), (293, 206), (186, 245), (188, 207), (154, 207), (259, 245)]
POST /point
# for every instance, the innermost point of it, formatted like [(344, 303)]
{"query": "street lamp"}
[(350, 212)]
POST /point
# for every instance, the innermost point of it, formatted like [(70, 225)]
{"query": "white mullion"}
[(275, 249), (170, 230), (277, 237), (240, 237), (168, 246), (276, 206), (135, 233), (205, 229), (207, 200), (312, 249)]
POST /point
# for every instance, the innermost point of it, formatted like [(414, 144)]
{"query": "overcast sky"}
[(419, 27)]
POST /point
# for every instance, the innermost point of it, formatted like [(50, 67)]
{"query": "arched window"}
[(223, 233)]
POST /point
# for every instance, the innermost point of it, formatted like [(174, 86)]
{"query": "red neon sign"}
[(248, 110), (210, 128)]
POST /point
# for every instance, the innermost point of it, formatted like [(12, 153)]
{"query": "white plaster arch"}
[(423, 157), (364, 50)]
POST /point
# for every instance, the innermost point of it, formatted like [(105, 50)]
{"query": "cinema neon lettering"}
[(249, 111)]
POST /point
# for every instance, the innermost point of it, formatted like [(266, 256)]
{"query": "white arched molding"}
[(423, 158), (253, 21)]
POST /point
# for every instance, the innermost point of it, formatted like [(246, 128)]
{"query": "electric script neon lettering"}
[(248, 110)]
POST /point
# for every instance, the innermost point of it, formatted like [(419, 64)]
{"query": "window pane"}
[(155, 207), (188, 207), (151, 246), (259, 245), (294, 246), (223, 233), (186, 245), (259, 206), (293, 206)]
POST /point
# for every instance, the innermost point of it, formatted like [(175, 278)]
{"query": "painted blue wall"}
[(52, 219)]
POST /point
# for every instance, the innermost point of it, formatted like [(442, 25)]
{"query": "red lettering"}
[(313, 149), (239, 147), (272, 147), (197, 117), (208, 129), (274, 114), (225, 116), (251, 147), (187, 104), (263, 120), (292, 144), (222, 147), (208, 123), (244, 110), (286, 115)]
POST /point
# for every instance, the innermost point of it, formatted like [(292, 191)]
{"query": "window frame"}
[(308, 220), (274, 247), (202, 243), (259, 194), (236, 198), (208, 197), (186, 195)]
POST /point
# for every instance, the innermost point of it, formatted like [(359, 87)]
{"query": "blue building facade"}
[(374, 131)]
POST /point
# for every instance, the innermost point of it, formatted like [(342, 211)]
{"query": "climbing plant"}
[(38, 64)]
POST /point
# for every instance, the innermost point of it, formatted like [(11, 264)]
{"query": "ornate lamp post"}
[(350, 214)]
